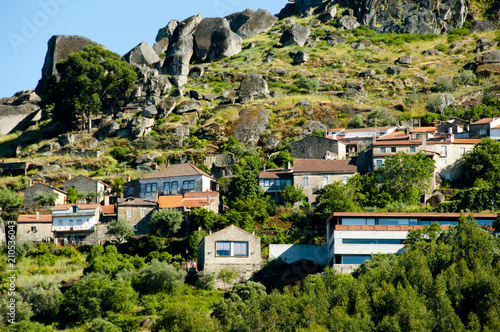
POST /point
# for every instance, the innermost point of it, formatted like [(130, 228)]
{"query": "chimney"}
[(128, 178), (30, 182), (452, 138), (69, 176), (208, 199), (287, 165), (156, 196), (37, 215)]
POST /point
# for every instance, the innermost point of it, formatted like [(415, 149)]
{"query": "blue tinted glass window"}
[(348, 259)]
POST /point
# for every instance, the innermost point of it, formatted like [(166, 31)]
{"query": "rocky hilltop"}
[(264, 78)]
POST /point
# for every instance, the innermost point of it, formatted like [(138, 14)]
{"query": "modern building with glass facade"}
[(352, 237)]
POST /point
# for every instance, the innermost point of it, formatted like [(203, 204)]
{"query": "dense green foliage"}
[(90, 80), (9, 199), (166, 222), (120, 229), (45, 199), (481, 166)]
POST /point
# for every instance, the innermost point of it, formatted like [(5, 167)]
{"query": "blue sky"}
[(27, 25)]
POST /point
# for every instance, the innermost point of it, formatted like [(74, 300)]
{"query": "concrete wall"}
[(43, 232), (245, 265), (294, 252)]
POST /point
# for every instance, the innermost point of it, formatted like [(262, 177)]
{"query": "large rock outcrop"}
[(485, 65), (225, 43), (250, 23), (142, 54), (178, 57), (253, 86), (411, 16), (203, 35), (298, 7), (295, 35), (58, 48), (250, 124)]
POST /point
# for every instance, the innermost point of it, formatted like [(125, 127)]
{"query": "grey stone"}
[(482, 26), (225, 43), (58, 48), (367, 73), (308, 12), (203, 35), (328, 14), (393, 70), (236, 20), (258, 22), (140, 126), (111, 129), (66, 139), (14, 118), (298, 7), (304, 103), (188, 26), (276, 94), (445, 100), (436, 198), (295, 35), (195, 95), (142, 54), (347, 22), (161, 46), (253, 86), (300, 57), (431, 52), (309, 126), (178, 57), (334, 39), (209, 97), (250, 124), (405, 59), (157, 86), (315, 23), (49, 147), (187, 106), (166, 106), (150, 111), (196, 72), (168, 31), (358, 46), (491, 57)]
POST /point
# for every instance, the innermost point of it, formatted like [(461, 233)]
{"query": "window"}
[(223, 248), (33, 229), (240, 248), (482, 132), (166, 188), (369, 168), (148, 188), (267, 183), (130, 191), (75, 209), (393, 149), (288, 182), (174, 188), (277, 183), (188, 185), (324, 181), (417, 136), (462, 151), (353, 259), (345, 179), (412, 149), (382, 150), (153, 187), (447, 176), (143, 213), (444, 162), (130, 213), (444, 151), (305, 181), (379, 164)]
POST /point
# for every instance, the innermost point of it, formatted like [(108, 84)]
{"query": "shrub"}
[(307, 83), (166, 221), (160, 276), (206, 280), (465, 77), (102, 325), (43, 298), (411, 99), (443, 83), (119, 153)]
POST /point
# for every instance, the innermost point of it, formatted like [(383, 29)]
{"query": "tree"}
[(336, 197), (117, 185), (356, 122), (245, 185), (43, 298), (165, 222), (120, 229), (160, 277), (45, 199), (281, 158), (379, 118), (206, 219), (9, 199), (406, 177), (481, 165), (90, 80), (72, 196), (293, 194)]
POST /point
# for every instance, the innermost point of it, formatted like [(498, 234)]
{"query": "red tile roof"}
[(484, 121), (80, 206), (190, 200), (423, 129), (134, 201), (395, 135), (31, 218), (324, 166), (467, 140), (108, 209), (412, 214), (405, 142), (275, 173), (175, 170)]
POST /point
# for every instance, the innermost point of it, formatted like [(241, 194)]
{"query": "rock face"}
[(485, 65), (298, 7), (178, 57), (250, 124), (253, 86), (58, 48), (295, 35), (203, 35), (187, 106), (168, 31), (348, 22), (257, 22), (482, 26), (13, 118), (412, 16), (225, 43), (142, 54)]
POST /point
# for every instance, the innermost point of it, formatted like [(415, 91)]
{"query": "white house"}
[(175, 179), (74, 223), (341, 133)]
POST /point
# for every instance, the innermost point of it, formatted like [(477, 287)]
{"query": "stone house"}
[(315, 174), (84, 184), (76, 223), (38, 187), (174, 180), (231, 248), (315, 147), (137, 211), (34, 228), (483, 127), (274, 181), (108, 213), (191, 201)]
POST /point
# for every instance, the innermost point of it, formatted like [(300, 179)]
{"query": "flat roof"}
[(410, 215)]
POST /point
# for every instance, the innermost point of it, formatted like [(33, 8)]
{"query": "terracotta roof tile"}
[(175, 170), (108, 209), (467, 140), (483, 121), (31, 218), (276, 173), (324, 166), (190, 200), (412, 214), (423, 129), (395, 135), (405, 142)]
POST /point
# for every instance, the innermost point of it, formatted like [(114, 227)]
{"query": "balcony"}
[(78, 228)]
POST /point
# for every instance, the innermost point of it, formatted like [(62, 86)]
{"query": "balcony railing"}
[(73, 228)]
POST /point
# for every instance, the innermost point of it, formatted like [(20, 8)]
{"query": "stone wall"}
[(30, 192), (43, 232), (315, 147)]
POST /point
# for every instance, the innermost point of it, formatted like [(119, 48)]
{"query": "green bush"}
[(43, 298), (441, 48), (308, 84), (102, 325), (465, 77), (443, 83), (206, 280), (119, 153), (160, 277)]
